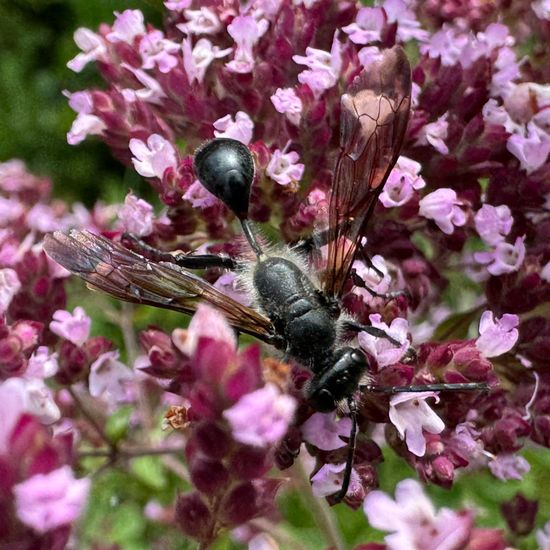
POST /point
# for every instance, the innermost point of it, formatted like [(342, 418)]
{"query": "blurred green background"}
[(36, 41)]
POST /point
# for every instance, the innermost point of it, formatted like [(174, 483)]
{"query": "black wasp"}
[(301, 317)]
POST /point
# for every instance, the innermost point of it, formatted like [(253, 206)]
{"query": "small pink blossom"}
[(240, 128), (408, 27), (403, 181), (447, 44), (434, 134), (197, 60), (531, 150), (443, 207), (382, 349), (325, 430), (410, 414), (261, 418), (328, 480), (74, 327), (85, 123), (109, 375), (9, 287), (199, 196), (246, 32), (543, 535), (545, 272), (47, 501), (136, 216), (497, 336), (12, 406), (33, 397), (324, 67), (413, 521), (10, 210), (284, 168), (493, 223), (42, 363), (493, 113), (542, 11), (206, 323), (228, 283), (151, 160), (127, 26), (372, 278), (367, 27), (157, 51), (92, 46), (201, 21), (369, 55), (509, 466), (504, 258), (44, 218), (288, 103), (152, 91), (178, 5), (506, 70)]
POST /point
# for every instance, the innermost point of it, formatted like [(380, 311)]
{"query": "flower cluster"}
[(459, 275)]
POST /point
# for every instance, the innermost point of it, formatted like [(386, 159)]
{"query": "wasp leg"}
[(187, 261), (351, 451), (357, 281)]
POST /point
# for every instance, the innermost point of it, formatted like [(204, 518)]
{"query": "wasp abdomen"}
[(293, 304)]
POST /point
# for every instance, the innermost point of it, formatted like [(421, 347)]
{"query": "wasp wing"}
[(375, 113), (112, 268)]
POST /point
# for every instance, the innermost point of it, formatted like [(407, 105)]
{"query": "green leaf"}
[(117, 424), (149, 470)]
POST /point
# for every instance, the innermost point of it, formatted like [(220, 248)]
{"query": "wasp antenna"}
[(466, 386)]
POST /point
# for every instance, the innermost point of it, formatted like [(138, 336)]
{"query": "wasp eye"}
[(226, 168)]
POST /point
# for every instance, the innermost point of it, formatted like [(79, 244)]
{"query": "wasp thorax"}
[(226, 168)]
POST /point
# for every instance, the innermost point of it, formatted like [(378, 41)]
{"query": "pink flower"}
[(261, 418), (324, 67), (74, 327), (447, 44), (152, 91), (413, 520), (152, 160), (157, 51), (136, 216), (85, 123), (497, 336), (10, 210), (434, 133), (532, 150), (328, 480), (408, 27), (504, 258), (202, 21), (178, 5), (12, 406), (47, 501), (199, 196), (371, 277), (404, 179), (542, 11), (206, 323), (367, 27), (288, 103), (369, 55), (443, 207), (509, 466), (246, 32), (9, 287), (241, 127), (42, 363), (44, 218), (382, 349), (543, 535), (92, 46), (410, 414), (108, 374), (197, 60), (493, 113), (507, 70), (228, 283), (127, 26), (493, 223), (324, 430), (284, 168)]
